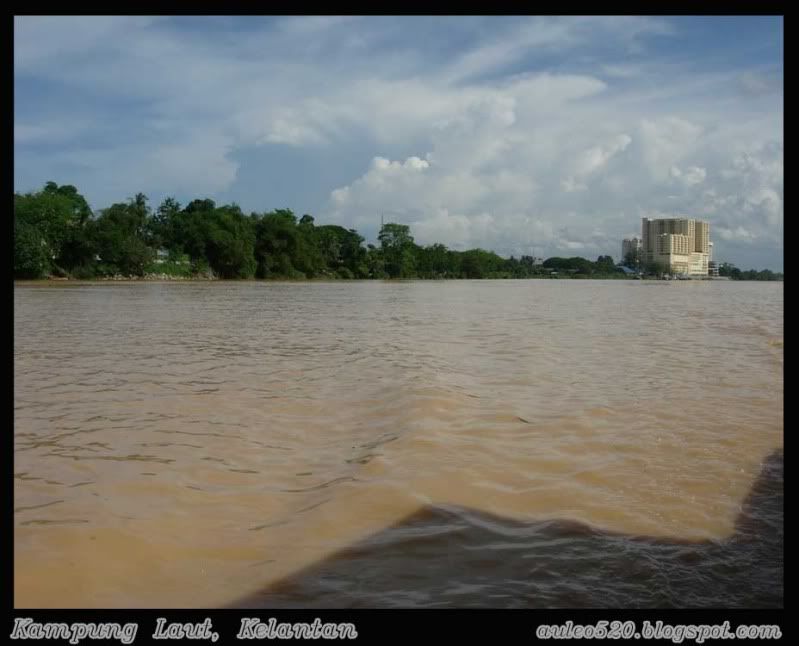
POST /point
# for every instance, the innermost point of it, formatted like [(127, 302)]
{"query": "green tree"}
[(605, 265), (398, 250), (277, 244), (31, 259), (162, 227), (375, 263), (200, 206), (434, 261), (332, 249), (119, 236), (77, 250), (230, 243), (574, 265), (55, 219), (471, 265), (80, 208)]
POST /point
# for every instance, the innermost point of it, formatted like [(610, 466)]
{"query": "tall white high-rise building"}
[(679, 245)]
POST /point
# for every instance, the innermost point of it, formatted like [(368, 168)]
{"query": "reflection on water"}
[(187, 444)]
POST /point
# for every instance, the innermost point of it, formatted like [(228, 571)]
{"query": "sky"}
[(524, 135)]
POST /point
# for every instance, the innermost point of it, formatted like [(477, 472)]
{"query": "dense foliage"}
[(730, 270), (56, 234)]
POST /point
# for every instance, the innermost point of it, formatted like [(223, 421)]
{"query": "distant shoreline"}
[(57, 235), (128, 279)]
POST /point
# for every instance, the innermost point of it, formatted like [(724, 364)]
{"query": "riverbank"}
[(165, 278), (149, 277), (283, 279)]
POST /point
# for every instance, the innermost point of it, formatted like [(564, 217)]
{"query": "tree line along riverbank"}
[(57, 236)]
